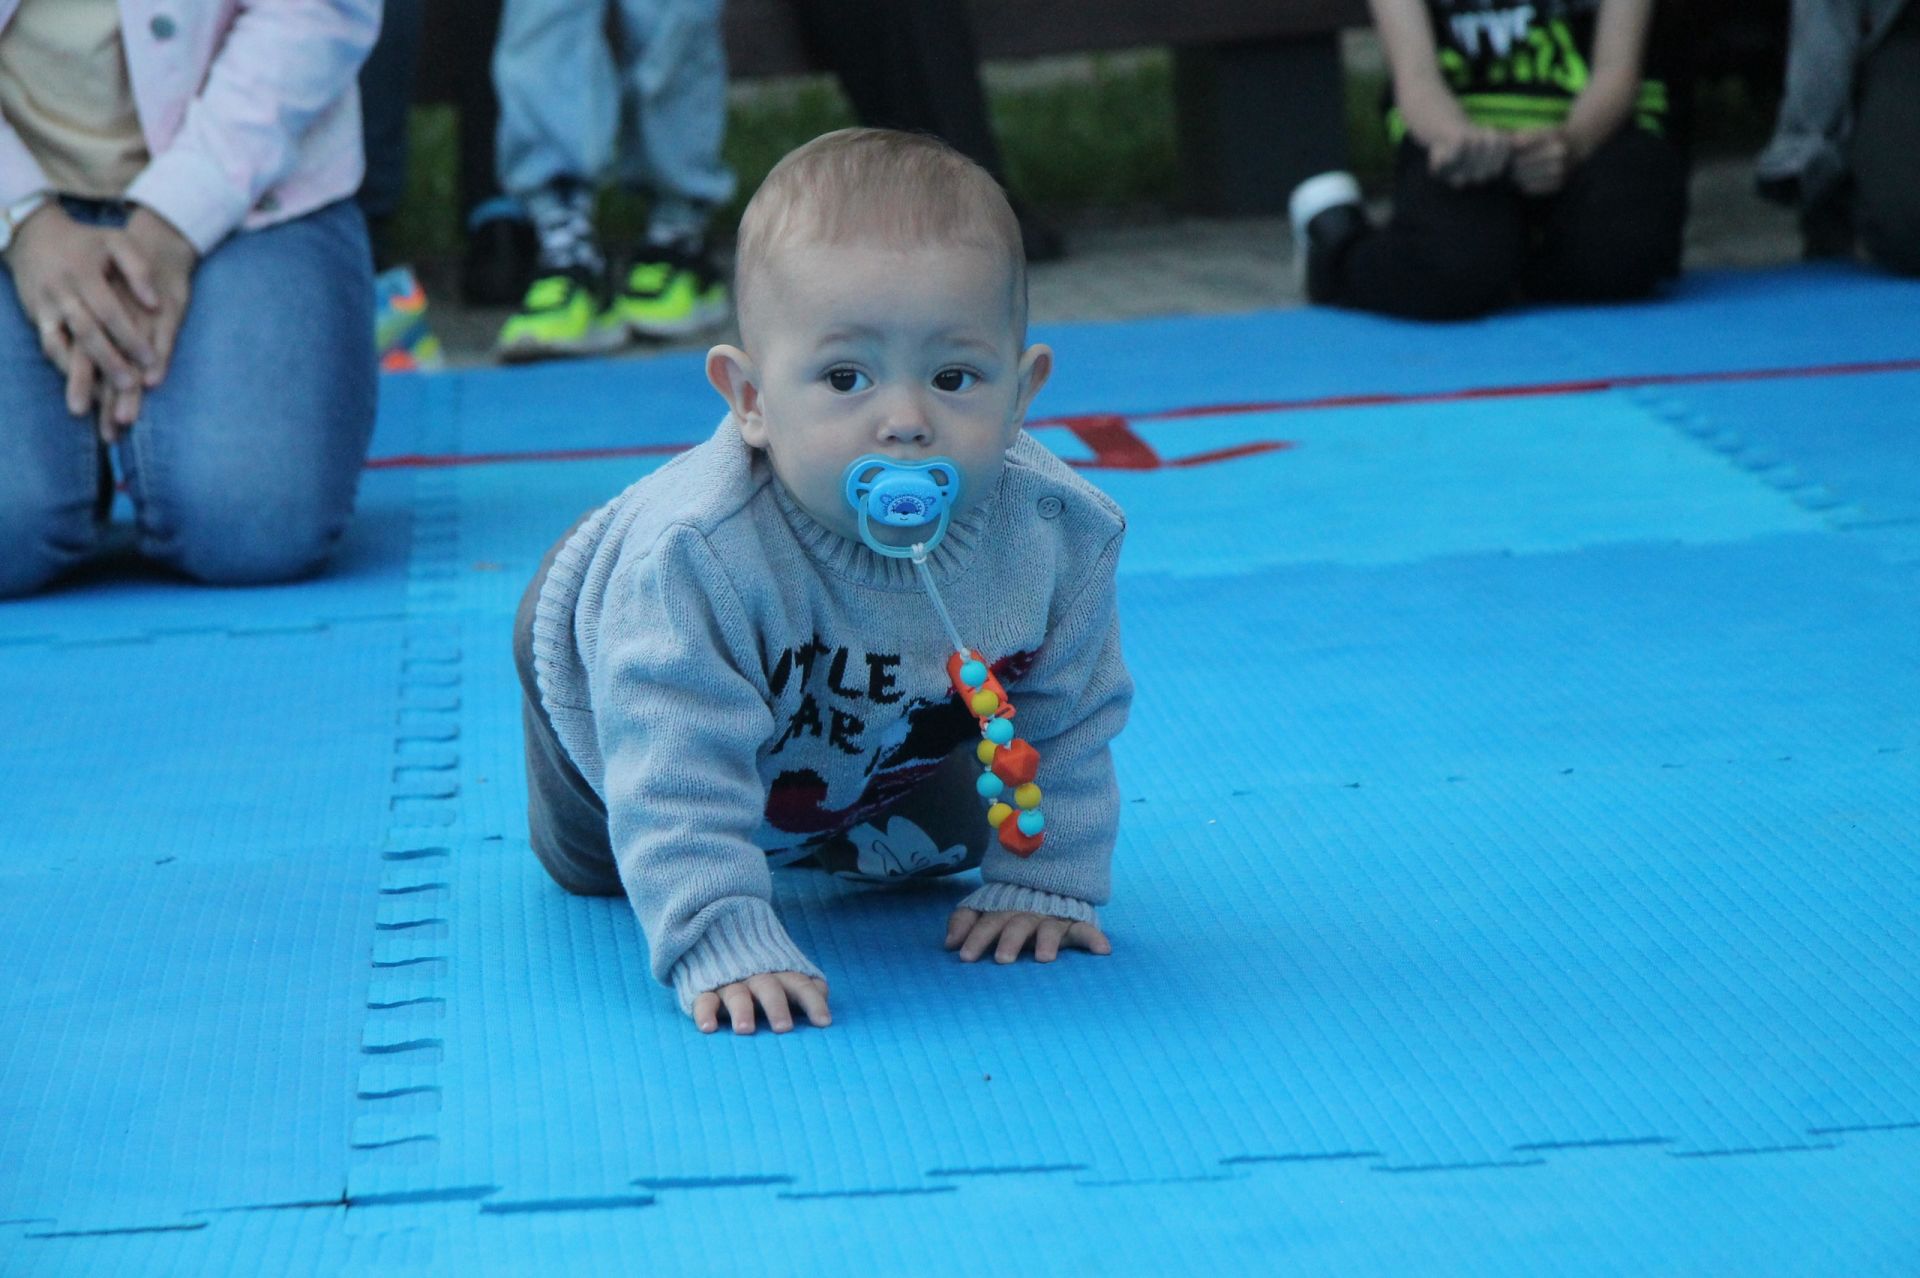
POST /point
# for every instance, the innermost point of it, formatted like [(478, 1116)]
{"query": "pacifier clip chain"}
[(1010, 762), (907, 495)]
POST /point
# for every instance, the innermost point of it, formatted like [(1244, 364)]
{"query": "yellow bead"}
[(984, 703), (985, 751), (1027, 796), (997, 813)]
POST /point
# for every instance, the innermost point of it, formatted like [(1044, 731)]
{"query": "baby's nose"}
[(906, 426)]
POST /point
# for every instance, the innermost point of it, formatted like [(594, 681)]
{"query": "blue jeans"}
[(244, 461), (562, 98)]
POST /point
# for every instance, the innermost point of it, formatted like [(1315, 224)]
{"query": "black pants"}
[(907, 64), (1612, 232), (1884, 152), (459, 37)]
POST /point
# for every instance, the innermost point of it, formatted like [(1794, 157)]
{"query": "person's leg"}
[(1446, 254), (566, 821), (907, 64), (673, 75), (245, 460), (386, 98), (558, 100), (49, 461), (1885, 148), (914, 65), (559, 104), (1614, 231)]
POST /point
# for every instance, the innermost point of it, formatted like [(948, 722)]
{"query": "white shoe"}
[(1309, 200)]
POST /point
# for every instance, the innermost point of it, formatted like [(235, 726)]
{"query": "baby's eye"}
[(847, 380), (954, 379)]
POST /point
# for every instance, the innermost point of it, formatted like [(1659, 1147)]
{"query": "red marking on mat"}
[(1116, 446), (1586, 386)]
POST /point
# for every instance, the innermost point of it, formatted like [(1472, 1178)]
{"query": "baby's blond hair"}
[(903, 190)]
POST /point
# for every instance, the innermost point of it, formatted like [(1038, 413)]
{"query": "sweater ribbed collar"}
[(854, 561)]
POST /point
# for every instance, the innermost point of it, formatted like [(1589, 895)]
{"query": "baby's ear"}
[(732, 373), (1036, 365)]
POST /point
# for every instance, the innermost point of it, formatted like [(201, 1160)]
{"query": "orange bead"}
[(960, 688), (1017, 843), (1016, 762)]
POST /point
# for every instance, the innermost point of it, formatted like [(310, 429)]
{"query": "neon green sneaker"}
[(560, 315), (670, 292)]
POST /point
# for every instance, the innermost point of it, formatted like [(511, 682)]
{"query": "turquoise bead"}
[(989, 785), (1031, 822), (999, 731), (973, 673)]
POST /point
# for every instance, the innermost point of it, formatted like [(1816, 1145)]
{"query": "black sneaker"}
[(1327, 218), (498, 267)]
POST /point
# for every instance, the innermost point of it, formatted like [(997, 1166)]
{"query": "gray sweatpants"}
[(939, 828), (566, 821)]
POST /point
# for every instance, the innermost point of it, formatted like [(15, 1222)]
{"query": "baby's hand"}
[(771, 989), (974, 932)]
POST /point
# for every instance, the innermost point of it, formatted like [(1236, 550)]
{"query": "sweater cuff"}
[(745, 941), (1011, 896)]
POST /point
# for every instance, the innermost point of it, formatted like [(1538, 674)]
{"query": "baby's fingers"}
[(773, 996), (810, 994), (958, 924), (739, 1001), (1088, 936), (1052, 932), (1020, 928), (706, 1009), (985, 929)]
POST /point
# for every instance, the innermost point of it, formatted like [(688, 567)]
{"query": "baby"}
[(742, 661)]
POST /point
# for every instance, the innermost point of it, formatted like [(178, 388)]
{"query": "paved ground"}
[(1127, 268)]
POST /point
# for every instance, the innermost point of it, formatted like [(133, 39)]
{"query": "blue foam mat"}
[(1517, 870)]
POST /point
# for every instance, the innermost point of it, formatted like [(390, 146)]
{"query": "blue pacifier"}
[(902, 495)]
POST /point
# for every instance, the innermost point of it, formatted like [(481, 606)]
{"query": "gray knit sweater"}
[(735, 680)]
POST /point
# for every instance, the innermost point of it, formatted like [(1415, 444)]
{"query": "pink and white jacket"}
[(250, 109)]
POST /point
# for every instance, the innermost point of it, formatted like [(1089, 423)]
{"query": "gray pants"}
[(566, 820), (937, 829), (655, 105)]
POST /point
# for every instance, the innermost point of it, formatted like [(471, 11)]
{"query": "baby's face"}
[(909, 353)]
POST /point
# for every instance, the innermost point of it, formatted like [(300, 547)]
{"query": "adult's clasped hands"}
[(107, 303)]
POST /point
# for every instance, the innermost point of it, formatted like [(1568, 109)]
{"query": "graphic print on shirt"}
[(1516, 47), (1497, 29), (1519, 66), (839, 699), (901, 850)]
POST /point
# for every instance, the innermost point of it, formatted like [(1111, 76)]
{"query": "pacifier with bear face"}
[(902, 495)]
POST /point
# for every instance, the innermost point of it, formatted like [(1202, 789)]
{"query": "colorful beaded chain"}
[(1010, 762)]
